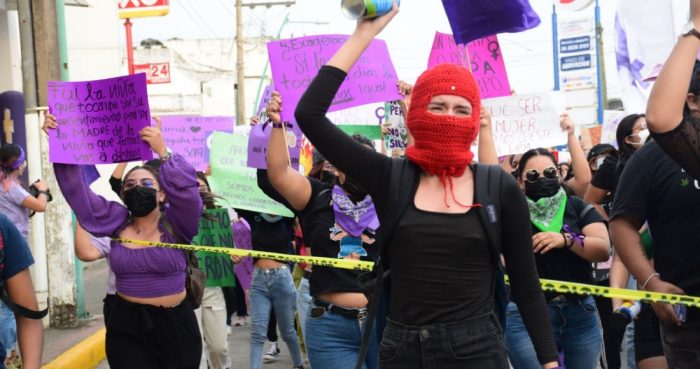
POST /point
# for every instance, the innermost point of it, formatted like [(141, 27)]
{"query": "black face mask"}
[(140, 200), (542, 188), (354, 190), (329, 177)]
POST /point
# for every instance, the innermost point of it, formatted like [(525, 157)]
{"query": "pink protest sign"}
[(445, 50), (242, 239), (295, 62), (99, 121), (189, 136), (488, 67), (259, 138)]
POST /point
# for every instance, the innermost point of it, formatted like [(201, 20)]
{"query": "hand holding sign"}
[(274, 108), (153, 137)]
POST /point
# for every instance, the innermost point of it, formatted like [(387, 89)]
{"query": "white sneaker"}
[(228, 330), (272, 354), (240, 321)]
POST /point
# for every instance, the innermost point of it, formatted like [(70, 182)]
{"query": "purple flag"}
[(475, 19)]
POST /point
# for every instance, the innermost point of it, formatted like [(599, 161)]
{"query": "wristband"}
[(277, 125)]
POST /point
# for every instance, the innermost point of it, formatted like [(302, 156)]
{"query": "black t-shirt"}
[(606, 178), (682, 144), (271, 237), (563, 264), (326, 238), (659, 191), (448, 258)]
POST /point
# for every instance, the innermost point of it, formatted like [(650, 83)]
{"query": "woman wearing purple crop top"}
[(151, 323)]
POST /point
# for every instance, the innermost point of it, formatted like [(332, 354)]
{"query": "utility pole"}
[(240, 54)]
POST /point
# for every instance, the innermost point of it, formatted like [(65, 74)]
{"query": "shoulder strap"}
[(487, 190), (587, 209), (5, 298)]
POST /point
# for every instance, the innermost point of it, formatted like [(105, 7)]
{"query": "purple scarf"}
[(354, 218)]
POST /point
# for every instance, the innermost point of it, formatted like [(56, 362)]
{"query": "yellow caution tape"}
[(313, 260), (547, 284), (617, 293)]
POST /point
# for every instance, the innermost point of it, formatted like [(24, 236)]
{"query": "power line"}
[(199, 23)]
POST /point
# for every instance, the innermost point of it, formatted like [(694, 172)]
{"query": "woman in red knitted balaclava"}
[(443, 139)]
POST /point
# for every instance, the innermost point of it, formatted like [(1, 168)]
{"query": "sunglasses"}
[(131, 183), (532, 175)]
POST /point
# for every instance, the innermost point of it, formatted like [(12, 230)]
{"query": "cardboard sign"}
[(234, 181), (242, 236), (219, 268), (295, 62), (396, 141), (445, 50), (189, 136), (99, 121), (525, 122), (260, 137), (488, 67)]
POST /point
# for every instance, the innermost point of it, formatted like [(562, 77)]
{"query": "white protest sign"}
[(611, 119), (524, 122), (396, 141)]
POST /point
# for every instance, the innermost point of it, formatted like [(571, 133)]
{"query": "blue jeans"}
[(333, 342), (272, 287), (577, 334), (303, 304), (8, 330)]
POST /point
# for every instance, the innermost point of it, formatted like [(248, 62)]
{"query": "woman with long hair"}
[(339, 221), (152, 323), (434, 236), (568, 235)]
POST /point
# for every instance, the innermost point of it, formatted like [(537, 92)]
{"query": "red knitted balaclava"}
[(442, 143)]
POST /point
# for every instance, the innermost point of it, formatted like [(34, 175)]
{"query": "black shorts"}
[(647, 335)]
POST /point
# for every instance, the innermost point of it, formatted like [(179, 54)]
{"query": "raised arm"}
[(579, 164), (289, 183), (115, 180), (185, 206), (524, 280), (487, 146)]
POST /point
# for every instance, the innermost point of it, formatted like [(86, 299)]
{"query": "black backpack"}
[(5, 298), (487, 189)]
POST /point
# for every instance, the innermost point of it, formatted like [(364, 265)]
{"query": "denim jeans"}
[(473, 343), (333, 342), (272, 288), (303, 304), (577, 334), (8, 330)]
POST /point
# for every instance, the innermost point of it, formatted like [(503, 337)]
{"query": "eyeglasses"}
[(131, 183), (328, 167), (532, 175)]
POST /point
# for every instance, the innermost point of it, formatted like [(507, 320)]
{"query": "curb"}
[(87, 354)]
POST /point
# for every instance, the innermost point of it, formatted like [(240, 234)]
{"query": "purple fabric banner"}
[(260, 137), (242, 239), (475, 19), (295, 62), (189, 136), (99, 121)]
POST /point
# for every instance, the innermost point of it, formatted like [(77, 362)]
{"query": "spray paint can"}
[(625, 314), (366, 9)]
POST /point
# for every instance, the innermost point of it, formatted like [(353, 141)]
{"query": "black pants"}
[(473, 343), (647, 335), (145, 336)]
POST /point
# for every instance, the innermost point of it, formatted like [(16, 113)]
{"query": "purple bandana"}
[(18, 163), (354, 218)]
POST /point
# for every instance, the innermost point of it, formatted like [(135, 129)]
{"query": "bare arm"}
[(668, 96), (619, 276), (37, 204), (582, 171), (119, 170), (595, 196), (487, 146), (596, 247), (289, 183), (84, 249), (30, 332)]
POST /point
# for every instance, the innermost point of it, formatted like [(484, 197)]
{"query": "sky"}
[(528, 54)]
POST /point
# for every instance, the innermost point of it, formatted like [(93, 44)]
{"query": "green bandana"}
[(547, 214)]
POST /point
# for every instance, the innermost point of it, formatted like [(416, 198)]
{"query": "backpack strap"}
[(5, 298)]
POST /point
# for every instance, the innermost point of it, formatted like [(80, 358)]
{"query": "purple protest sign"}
[(264, 100), (189, 136), (242, 239), (259, 138), (488, 67), (445, 50), (99, 121), (296, 61)]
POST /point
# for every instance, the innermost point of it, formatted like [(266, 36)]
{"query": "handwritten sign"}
[(488, 67), (242, 237), (445, 50), (611, 120), (234, 181), (260, 137), (295, 62), (99, 121), (189, 136), (372, 114), (396, 141), (216, 232), (525, 122)]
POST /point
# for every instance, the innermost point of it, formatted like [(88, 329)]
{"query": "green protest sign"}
[(215, 232), (234, 181), (371, 132)]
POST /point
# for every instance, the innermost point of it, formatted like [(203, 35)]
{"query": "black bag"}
[(5, 298), (195, 278), (487, 193)]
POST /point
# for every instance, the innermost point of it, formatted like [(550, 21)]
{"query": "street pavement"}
[(95, 277)]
